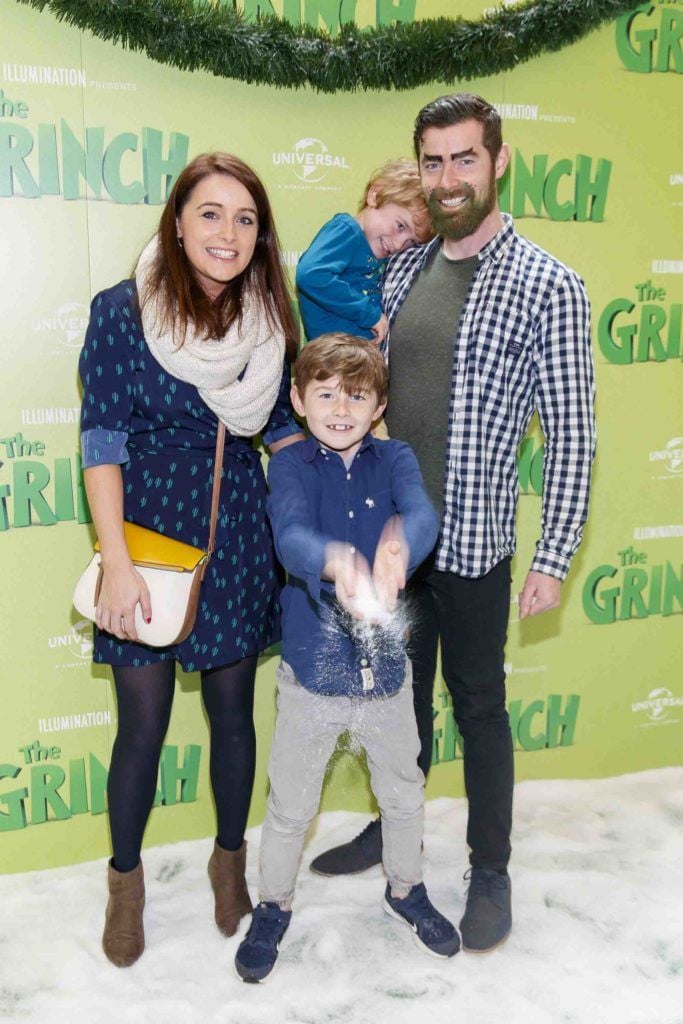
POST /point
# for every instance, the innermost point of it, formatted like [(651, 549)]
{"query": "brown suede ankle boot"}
[(226, 872), (124, 937)]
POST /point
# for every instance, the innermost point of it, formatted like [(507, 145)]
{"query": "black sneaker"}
[(432, 931), (351, 858), (258, 952), (488, 915)]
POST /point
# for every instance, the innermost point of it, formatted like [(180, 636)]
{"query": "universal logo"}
[(660, 707), (66, 326), (670, 457), (78, 643), (312, 166)]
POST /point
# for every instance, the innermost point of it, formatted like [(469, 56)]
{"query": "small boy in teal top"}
[(338, 277)]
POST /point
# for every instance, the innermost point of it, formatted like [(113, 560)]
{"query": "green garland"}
[(200, 35)]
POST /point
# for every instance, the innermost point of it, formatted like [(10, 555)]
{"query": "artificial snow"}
[(597, 936)]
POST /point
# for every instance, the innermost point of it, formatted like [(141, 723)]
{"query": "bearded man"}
[(485, 329)]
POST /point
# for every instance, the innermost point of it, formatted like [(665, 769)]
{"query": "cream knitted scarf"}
[(213, 366)]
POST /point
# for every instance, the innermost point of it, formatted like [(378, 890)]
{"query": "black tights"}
[(144, 696)]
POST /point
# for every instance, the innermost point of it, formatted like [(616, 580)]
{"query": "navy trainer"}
[(433, 932), (258, 951), (488, 915)]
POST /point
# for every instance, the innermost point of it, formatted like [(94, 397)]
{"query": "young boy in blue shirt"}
[(338, 276), (340, 502)]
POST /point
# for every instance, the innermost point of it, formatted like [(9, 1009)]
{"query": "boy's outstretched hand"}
[(349, 572), (391, 563)]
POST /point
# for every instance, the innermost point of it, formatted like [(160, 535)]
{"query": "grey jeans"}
[(306, 733)]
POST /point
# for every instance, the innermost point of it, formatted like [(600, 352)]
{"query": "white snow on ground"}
[(597, 937)]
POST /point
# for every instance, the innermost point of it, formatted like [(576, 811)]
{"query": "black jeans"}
[(469, 617)]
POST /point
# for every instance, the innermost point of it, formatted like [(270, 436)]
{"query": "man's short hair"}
[(357, 364), (460, 106)]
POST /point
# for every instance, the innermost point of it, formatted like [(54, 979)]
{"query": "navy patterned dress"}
[(164, 437)]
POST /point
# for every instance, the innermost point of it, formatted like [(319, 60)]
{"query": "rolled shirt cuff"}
[(551, 563), (278, 433), (100, 447)]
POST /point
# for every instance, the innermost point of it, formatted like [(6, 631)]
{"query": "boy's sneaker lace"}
[(258, 951), (488, 915), (432, 931)]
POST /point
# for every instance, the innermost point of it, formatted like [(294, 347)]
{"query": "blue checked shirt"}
[(522, 344)]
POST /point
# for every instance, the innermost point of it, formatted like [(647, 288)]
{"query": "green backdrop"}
[(91, 137)]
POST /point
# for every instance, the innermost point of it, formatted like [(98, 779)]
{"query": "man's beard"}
[(463, 220)]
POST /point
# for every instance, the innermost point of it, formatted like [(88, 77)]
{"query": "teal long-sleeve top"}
[(338, 281)]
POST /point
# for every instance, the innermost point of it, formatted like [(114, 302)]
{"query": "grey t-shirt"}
[(421, 364)]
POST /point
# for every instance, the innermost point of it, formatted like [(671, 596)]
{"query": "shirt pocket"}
[(504, 344)]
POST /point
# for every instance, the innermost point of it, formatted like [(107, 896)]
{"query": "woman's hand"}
[(123, 588)]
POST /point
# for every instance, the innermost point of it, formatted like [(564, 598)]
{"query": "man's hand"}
[(391, 563), (540, 594)]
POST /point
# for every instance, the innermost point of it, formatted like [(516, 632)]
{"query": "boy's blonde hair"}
[(356, 363), (398, 181)]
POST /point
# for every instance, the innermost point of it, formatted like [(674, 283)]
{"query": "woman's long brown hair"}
[(172, 284)]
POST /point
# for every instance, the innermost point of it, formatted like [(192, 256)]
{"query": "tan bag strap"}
[(215, 496)]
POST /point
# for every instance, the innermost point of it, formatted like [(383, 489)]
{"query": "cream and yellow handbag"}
[(172, 570)]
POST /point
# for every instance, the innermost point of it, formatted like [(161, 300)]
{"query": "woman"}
[(205, 330)]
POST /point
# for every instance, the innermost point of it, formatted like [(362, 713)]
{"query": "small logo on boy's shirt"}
[(369, 502)]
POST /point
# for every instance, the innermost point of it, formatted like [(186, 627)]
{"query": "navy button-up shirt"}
[(315, 499)]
